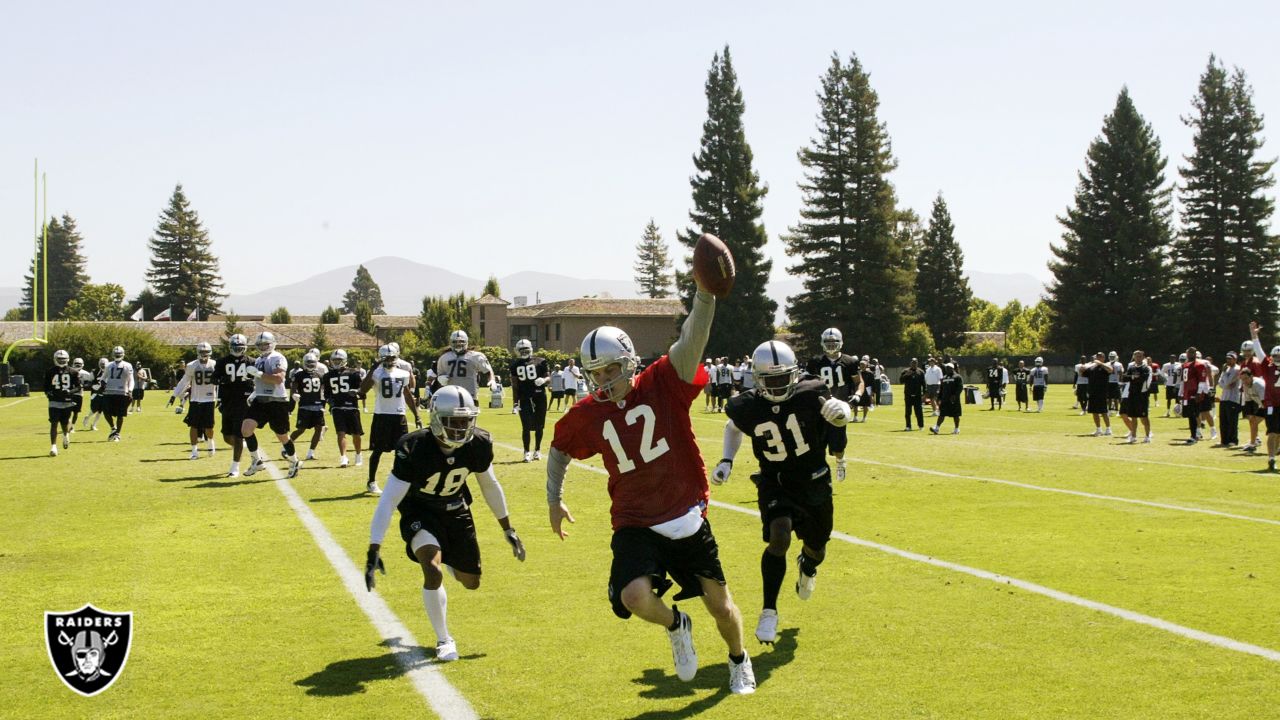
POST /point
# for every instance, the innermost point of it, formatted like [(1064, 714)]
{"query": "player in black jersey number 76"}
[(787, 420), (429, 486)]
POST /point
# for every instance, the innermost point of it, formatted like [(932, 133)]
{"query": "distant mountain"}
[(404, 282)]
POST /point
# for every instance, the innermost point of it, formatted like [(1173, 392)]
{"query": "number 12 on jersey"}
[(649, 450)]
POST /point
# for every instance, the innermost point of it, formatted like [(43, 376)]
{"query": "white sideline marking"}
[(1078, 493), (439, 693), (1220, 641), (15, 402)]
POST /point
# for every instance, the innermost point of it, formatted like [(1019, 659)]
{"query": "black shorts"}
[(931, 391), (533, 412), (78, 399), (1082, 393), (1097, 402), (1037, 392), (557, 394), (454, 529), (1253, 409), (641, 552), (95, 404), (1273, 422), (808, 505), (386, 432), (1170, 392), (60, 415), (116, 405), (270, 413), (837, 438), (308, 419), (724, 390), (1136, 405), (199, 415), (994, 391), (138, 392), (1113, 391), (233, 416), (1020, 393), (347, 421)]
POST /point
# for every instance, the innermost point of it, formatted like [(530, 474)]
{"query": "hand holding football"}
[(713, 265)]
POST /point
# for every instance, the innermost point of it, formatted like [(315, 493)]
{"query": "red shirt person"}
[(1268, 370)]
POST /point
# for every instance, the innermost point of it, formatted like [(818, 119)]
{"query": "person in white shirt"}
[(268, 405), (199, 378), (932, 382), (1039, 383), (557, 386), (1229, 402), (572, 376), (394, 393), (1253, 393), (1082, 384), (1172, 372), (462, 367), (117, 391)]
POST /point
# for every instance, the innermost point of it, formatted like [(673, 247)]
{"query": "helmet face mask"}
[(310, 361), (117, 353), (77, 364), (237, 344), (387, 356), (774, 368), (610, 360), (61, 358), (524, 349), (265, 342), (453, 416), (204, 350), (338, 359), (832, 341), (459, 341)]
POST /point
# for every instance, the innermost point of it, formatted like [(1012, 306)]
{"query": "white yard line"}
[(440, 694), (15, 402), (1219, 641), (1078, 493)]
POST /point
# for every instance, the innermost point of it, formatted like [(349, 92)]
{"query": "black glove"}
[(517, 546), (417, 421), (171, 399), (372, 562)]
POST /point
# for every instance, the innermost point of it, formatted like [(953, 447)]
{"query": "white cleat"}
[(528, 456), (804, 583), (682, 652), (841, 471), (1097, 432), (447, 650), (66, 440), (359, 460), (294, 466), (956, 431), (311, 455), (53, 451), (372, 488), (742, 679), (537, 455), (767, 627), (195, 454), (1131, 438), (1107, 432), (254, 466), (1147, 440), (342, 462)]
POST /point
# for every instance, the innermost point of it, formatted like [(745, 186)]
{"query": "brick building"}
[(653, 324)]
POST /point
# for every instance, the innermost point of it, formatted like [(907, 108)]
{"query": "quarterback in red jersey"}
[(657, 484)]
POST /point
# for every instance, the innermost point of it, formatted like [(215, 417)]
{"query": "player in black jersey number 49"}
[(787, 419)]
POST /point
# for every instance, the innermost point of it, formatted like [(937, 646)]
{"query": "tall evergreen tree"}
[(1110, 270), (942, 290), (184, 271), (1226, 263), (727, 197), (96, 302), (363, 316), (66, 267), (848, 242), (491, 287), (363, 288), (653, 263)]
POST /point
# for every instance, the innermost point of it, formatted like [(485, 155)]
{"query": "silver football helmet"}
[(77, 364), (61, 358), (453, 416), (237, 344), (524, 348), (310, 361), (773, 364), (832, 341), (102, 363), (117, 353), (338, 359), (265, 342), (387, 355), (204, 350), (459, 341), (601, 348)]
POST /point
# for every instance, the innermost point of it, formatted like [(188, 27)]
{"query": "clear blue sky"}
[(544, 135)]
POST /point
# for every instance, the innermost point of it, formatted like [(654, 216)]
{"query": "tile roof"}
[(609, 307), (189, 333)]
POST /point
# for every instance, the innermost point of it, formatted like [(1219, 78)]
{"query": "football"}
[(713, 265)]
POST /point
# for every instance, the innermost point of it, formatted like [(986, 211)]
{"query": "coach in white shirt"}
[(932, 382)]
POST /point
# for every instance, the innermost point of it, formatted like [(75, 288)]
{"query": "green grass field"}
[(239, 614)]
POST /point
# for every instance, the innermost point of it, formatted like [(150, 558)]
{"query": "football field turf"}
[(1018, 570)]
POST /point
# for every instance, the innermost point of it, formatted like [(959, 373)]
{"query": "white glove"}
[(178, 410), (540, 381), (720, 475), (836, 412), (252, 396), (494, 387), (252, 371)]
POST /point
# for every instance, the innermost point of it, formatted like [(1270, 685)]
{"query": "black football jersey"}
[(61, 383), (341, 386), (233, 386), (524, 371), (437, 479), (995, 375), (788, 438), (310, 389), (840, 374), (1021, 376)]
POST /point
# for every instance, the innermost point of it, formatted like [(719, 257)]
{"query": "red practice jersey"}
[(1194, 373), (1267, 371), (656, 472)]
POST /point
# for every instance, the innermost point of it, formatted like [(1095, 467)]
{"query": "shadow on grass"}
[(25, 457), (192, 478), (215, 484), (349, 677), (662, 684), (184, 458), (336, 498)]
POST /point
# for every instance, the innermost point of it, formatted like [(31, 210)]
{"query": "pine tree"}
[(491, 287), (653, 263), (364, 316), (320, 337), (96, 302), (363, 288), (1110, 272), (726, 203), (184, 270), (281, 316), (848, 240), (231, 326), (66, 268), (942, 290), (330, 316), (1226, 263)]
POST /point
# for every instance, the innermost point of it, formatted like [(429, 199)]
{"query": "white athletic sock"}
[(235, 466), (212, 446), (437, 602), (1039, 405)]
